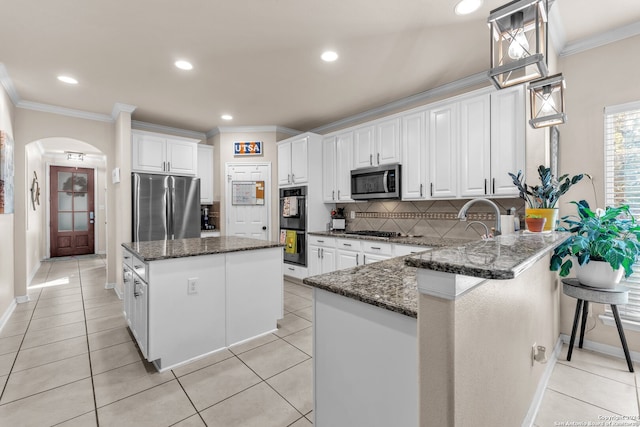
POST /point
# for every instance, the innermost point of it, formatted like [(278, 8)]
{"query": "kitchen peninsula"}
[(436, 338), (186, 298)]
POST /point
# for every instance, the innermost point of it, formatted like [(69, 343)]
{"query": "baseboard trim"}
[(607, 349), (115, 289), (7, 314), (534, 407), (22, 299)]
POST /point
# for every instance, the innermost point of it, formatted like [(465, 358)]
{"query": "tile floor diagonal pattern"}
[(67, 359)]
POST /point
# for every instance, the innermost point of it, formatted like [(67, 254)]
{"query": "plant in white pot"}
[(605, 244)]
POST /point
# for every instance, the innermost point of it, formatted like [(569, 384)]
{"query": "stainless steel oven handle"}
[(384, 181)]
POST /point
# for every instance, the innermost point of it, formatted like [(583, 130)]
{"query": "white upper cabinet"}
[(508, 123), (414, 157), (475, 146), (377, 144), (292, 162), (443, 153), (344, 164), (363, 147), (329, 170), (388, 141), (152, 152), (205, 173)]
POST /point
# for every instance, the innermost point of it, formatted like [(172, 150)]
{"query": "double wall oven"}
[(293, 224)]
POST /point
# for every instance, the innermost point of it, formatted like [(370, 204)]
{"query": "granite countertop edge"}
[(427, 241), (520, 255), (157, 250)]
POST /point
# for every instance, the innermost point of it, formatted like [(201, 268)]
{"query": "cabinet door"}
[(329, 170), (443, 153), (344, 164), (363, 147), (127, 284), (414, 157), (475, 146), (205, 173), (299, 167), (328, 260), (141, 331), (347, 259), (508, 124), (149, 153), (387, 142), (182, 157), (284, 164), (371, 258), (315, 262)]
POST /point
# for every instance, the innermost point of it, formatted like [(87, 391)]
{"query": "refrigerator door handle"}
[(171, 208)]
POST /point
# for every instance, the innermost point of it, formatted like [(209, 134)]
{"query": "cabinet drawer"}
[(327, 242), (140, 268), (348, 244), (381, 248), (295, 271), (127, 258)]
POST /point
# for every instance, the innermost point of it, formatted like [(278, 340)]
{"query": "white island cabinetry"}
[(195, 304)]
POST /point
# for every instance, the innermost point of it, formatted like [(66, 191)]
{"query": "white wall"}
[(597, 78), (7, 273), (36, 223)]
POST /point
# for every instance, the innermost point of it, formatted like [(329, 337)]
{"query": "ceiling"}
[(256, 60)]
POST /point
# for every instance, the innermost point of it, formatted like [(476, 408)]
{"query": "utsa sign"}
[(247, 148)]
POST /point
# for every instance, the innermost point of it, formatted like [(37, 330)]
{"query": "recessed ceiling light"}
[(226, 117), (465, 7), (329, 56), (184, 65), (67, 79)]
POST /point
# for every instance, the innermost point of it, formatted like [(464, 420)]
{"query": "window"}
[(622, 180)]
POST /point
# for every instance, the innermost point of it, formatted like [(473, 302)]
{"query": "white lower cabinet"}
[(376, 251), (322, 255), (348, 253)]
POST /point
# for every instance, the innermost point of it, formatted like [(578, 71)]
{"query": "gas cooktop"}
[(374, 233)]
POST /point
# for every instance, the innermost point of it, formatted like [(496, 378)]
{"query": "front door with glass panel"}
[(72, 214)]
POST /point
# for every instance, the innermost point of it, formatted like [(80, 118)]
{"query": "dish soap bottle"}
[(516, 219)]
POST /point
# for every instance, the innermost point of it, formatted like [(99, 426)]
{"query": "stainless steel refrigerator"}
[(165, 207)]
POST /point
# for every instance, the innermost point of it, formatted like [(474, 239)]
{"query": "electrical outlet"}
[(192, 286), (353, 215)]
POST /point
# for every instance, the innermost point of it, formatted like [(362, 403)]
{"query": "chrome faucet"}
[(462, 215)]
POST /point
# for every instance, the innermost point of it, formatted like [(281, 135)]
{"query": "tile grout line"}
[(188, 397), (86, 330), (584, 401)]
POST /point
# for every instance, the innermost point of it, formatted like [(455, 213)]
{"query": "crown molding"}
[(601, 39), (7, 83), (408, 102), (121, 108), (63, 111), (251, 129), (151, 127)]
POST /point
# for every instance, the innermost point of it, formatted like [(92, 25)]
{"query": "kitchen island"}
[(414, 340), (186, 298)]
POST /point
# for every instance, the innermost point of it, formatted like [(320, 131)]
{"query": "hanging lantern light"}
[(518, 42), (547, 101)]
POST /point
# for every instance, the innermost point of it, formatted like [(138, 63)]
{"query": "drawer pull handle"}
[(292, 269), (137, 266), (347, 244), (375, 247), (320, 241)]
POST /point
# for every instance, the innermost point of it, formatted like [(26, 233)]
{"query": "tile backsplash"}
[(434, 218)]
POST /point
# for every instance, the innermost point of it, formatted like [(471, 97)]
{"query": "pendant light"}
[(518, 42), (547, 101)]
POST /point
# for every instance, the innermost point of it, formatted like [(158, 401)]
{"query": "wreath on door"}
[(35, 191)]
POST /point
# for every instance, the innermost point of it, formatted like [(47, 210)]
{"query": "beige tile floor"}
[(67, 359)]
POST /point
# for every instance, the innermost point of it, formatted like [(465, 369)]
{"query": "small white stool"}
[(585, 294)]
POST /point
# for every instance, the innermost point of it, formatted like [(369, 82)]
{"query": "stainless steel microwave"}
[(379, 182)]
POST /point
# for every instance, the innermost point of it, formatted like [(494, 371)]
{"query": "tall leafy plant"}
[(611, 235), (546, 194)]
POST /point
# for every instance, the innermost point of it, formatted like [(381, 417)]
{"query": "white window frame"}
[(630, 313)]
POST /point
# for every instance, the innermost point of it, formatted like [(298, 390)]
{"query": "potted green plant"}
[(535, 223), (603, 242), (541, 199)]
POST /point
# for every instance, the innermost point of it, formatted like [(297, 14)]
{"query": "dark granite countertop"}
[(164, 249), (389, 284), (504, 257), (429, 241)]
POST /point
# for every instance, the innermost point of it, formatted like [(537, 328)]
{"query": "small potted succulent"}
[(604, 243), (541, 199)]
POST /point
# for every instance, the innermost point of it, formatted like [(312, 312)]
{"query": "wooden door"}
[(72, 211)]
